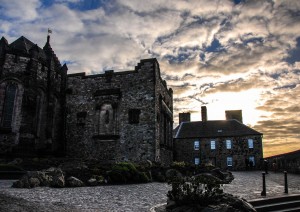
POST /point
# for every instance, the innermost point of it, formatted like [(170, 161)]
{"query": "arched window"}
[(9, 105)]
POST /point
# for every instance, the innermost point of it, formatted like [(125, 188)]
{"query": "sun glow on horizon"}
[(218, 103)]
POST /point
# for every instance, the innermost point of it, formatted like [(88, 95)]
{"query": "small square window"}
[(212, 144), (197, 161), (229, 161), (196, 145), (228, 144), (250, 143), (134, 116)]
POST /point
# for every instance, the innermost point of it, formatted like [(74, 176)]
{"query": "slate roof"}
[(209, 129), (25, 46)]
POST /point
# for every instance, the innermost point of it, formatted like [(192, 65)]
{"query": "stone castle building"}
[(112, 117), (228, 144)]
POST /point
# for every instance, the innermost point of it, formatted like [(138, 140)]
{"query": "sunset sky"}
[(225, 54)]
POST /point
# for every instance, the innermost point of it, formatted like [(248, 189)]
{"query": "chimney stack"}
[(234, 114), (184, 117), (203, 113)]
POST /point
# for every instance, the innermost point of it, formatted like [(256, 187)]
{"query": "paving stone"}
[(134, 197)]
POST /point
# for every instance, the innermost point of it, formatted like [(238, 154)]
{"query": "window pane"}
[(250, 143), (228, 144), (196, 145), (197, 161), (229, 161), (9, 103), (251, 160), (212, 144)]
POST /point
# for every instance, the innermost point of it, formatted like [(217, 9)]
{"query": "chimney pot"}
[(204, 113), (184, 117)]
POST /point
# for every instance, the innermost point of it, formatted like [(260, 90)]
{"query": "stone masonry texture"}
[(110, 117)]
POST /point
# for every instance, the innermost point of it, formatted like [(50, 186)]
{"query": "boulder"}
[(74, 182), (92, 182), (225, 176), (34, 182), (57, 182), (56, 176), (23, 182), (53, 177), (41, 176)]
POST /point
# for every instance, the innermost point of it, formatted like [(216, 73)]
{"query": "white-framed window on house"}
[(228, 144), (252, 160), (212, 145), (197, 161), (196, 145), (229, 161), (250, 143)]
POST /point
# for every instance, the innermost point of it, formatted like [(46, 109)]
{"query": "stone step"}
[(284, 203)]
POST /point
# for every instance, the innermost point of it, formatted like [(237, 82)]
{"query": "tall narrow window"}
[(9, 103), (39, 111), (228, 144), (196, 145), (197, 161), (229, 161), (212, 145), (250, 143), (252, 160)]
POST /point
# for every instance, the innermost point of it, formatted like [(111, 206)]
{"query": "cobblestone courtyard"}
[(138, 197)]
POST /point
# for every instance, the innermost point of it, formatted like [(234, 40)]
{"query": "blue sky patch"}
[(294, 54), (214, 47)]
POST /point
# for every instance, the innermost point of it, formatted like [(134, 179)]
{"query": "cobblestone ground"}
[(138, 197)]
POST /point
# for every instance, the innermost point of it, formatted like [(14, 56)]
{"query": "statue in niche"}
[(106, 119)]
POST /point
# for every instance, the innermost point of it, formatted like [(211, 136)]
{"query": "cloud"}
[(22, 12), (209, 51)]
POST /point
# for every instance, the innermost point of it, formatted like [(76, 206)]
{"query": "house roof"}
[(218, 128)]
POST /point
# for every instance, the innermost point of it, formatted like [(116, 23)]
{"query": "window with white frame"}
[(229, 161), (228, 144), (197, 161), (250, 143), (252, 160), (212, 144), (196, 145)]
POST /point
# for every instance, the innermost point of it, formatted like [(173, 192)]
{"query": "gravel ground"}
[(135, 197)]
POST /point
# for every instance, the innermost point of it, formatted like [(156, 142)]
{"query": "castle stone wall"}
[(115, 116)]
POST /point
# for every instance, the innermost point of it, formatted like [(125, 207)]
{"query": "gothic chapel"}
[(114, 116)]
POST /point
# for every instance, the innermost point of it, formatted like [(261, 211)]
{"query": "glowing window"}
[(228, 144), (197, 161), (229, 161), (196, 145), (212, 144), (250, 143)]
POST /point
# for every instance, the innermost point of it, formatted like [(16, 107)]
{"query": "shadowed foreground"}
[(134, 197)]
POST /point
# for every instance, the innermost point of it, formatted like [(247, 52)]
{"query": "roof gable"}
[(21, 44), (223, 128)]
